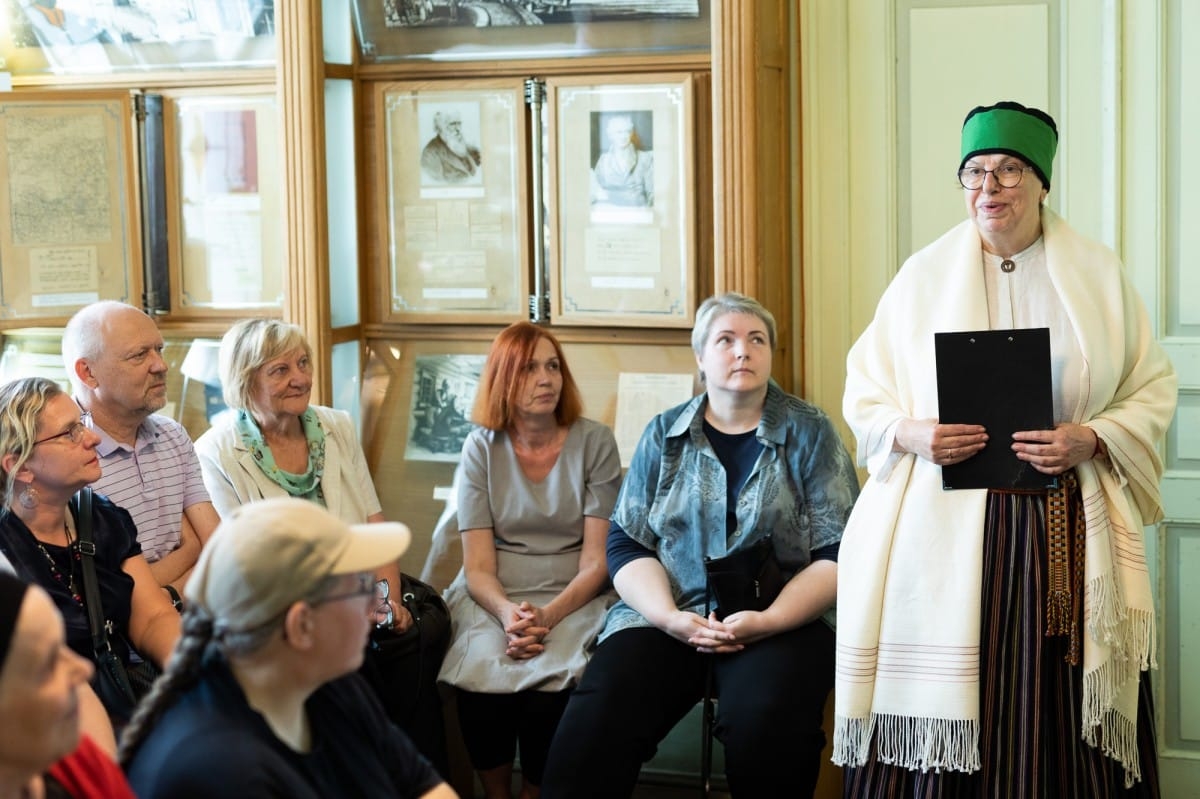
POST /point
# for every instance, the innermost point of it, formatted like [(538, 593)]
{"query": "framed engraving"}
[(105, 36), (622, 242), (469, 30), (443, 393), (225, 210), (454, 200), (68, 209)]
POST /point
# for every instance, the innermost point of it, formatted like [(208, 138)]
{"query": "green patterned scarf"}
[(306, 485)]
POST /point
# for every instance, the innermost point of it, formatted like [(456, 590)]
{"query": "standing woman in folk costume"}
[(970, 661)]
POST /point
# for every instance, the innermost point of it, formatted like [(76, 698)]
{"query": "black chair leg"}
[(706, 729)]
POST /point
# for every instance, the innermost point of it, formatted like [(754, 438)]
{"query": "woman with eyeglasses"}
[(47, 453), (261, 700), (275, 443), (993, 641)]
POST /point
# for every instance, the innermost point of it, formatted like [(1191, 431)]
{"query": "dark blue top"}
[(210, 742), (116, 542), (680, 501), (737, 453)]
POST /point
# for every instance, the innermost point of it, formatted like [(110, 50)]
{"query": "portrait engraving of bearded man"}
[(448, 157)]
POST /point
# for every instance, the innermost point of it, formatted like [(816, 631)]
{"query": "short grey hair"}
[(730, 302), (248, 345), (83, 337)]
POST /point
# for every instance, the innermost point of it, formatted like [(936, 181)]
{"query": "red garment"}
[(89, 773)]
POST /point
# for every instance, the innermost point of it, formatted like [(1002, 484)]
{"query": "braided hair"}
[(182, 672), (201, 637)]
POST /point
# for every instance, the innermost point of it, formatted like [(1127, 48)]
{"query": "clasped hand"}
[(526, 628), (1055, 451), (1049, 451), (713, 636)]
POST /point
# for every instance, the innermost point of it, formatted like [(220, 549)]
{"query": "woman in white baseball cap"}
[(261, 698)]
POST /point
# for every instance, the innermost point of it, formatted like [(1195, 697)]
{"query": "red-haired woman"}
[(537, 484)]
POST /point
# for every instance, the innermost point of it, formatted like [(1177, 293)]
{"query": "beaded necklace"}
[(72, 556)]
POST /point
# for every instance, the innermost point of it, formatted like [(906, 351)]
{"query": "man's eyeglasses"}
[(75, 432), (1007, 175)]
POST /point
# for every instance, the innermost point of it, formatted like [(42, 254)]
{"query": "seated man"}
[(113, 355)]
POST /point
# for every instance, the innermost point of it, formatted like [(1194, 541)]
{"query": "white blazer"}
[(233, 477)]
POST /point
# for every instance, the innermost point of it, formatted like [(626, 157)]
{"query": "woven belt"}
[(1066, 529)]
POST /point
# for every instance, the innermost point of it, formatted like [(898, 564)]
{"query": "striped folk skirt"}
[(1030, 742)]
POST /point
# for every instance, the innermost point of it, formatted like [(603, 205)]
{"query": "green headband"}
[(1013, 131)]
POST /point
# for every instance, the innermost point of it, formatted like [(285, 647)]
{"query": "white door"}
[(1162, 79)]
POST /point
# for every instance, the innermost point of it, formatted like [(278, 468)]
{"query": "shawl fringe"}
[(912, 743), (1103, 725), (852, 740), (1117, 738), (1129, 632)]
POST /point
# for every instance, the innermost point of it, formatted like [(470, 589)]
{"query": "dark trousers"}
[(641, 682), (494, 724)]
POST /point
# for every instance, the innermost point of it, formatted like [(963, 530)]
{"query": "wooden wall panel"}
[(752, 163), (306, 237)]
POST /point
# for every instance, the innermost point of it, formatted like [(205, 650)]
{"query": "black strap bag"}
[(119, 687), (402, 668), (746, 579)]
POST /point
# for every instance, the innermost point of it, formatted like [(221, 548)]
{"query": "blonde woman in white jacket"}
[(274, 443)]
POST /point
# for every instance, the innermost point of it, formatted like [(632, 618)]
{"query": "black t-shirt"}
[(211, 743)]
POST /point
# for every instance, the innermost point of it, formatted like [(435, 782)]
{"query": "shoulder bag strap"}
[(82, 502)]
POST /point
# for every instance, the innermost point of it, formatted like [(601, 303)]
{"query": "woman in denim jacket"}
[(742, 461)]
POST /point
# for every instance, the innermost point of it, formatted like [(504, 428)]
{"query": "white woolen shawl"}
[(909, 569)]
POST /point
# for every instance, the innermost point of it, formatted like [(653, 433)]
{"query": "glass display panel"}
[(621, 201), (68, 207), (103, 36), (463, 30), (341, 188), (227, 238)]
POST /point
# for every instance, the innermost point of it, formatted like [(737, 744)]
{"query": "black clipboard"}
[(1001, 380)]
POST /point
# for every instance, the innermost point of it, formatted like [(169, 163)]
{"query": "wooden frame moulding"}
[(452, 228), (69, 218), (622, 250)]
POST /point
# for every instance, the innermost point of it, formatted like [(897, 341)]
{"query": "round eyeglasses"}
[(385, 617), (1007, 175), (75, 432)]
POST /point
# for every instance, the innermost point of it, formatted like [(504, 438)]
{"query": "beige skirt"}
[(476, 659)]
